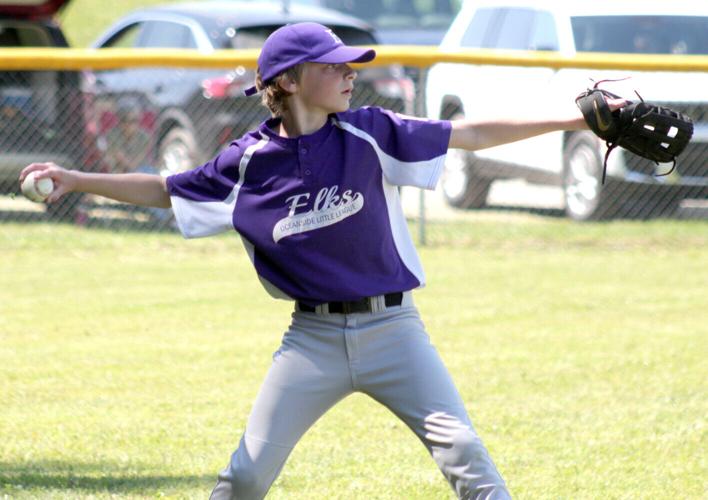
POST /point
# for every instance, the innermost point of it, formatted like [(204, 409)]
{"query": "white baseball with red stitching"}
[(37, 190)]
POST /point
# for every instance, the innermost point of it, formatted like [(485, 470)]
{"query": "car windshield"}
[(22, 34), (254, 37), (390, 14), (641, 34)]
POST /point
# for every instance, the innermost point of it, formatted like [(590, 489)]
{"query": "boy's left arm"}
[(473, 135)]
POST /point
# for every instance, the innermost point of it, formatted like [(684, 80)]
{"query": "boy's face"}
[(326, 86)]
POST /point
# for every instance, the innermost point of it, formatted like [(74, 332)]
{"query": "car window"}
[(354, 36), (254, 37), (641, 34), (23, 35), (163, 34), (516, 28), (427, 14), (506, 28), (545, 36), (480, 25), (125, 38), (249, 38), (41, 95)]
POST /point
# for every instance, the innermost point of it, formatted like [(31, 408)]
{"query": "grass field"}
[(129, 361), (128, 364)]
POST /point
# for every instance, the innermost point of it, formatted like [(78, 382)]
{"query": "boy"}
[(313, 194)]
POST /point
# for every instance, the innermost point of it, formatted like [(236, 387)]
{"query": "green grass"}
[(129, 361), (84, 20)]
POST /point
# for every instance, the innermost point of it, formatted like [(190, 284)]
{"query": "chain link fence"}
[(167, 120), (152, 120), (635, 188)]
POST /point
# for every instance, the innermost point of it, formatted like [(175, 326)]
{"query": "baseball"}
[(37, 190)]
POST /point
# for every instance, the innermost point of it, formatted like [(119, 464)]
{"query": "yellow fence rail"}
[(65, 117), (78, 59)]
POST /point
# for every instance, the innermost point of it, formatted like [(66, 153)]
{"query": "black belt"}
[(355, 306)]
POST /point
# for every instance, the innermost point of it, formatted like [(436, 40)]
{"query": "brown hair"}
[(273, 96)]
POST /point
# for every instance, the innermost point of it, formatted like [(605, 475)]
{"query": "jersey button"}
[(308, 172), (303, 151)]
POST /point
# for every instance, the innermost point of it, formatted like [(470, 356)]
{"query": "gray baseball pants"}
[(386, 354)]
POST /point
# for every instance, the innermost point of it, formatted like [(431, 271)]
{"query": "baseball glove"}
[(653, 132)]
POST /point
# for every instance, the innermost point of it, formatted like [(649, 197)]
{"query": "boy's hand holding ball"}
[(37, 190)]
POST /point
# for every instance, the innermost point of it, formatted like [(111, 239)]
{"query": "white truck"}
[(573, 160)]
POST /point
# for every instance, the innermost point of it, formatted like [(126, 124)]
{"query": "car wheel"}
[(178, 152), (586, 198), (461, 187)]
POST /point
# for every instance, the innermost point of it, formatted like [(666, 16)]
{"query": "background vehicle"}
[(573, 160), (399, 22), (44, 115), (194, 113)]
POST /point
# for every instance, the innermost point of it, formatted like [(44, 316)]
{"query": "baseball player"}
[(313, 195)]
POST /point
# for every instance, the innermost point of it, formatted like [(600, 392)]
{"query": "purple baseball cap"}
[(304, 42)]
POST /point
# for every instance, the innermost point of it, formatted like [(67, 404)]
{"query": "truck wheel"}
[(461, 186), (178, 152), (586, 198)]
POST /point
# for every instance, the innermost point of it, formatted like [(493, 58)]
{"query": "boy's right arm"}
[(137, 189)]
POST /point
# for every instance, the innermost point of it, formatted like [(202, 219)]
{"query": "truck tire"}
[(461, 186)]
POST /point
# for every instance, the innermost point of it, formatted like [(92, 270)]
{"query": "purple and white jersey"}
[(319, 215)]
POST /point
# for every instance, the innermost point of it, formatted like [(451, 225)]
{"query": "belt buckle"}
[(349, 307)]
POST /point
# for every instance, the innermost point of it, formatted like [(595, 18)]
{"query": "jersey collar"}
[(270, 127)]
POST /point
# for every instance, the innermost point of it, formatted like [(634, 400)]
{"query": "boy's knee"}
[(467, 448), (464, 460), (475, 476)]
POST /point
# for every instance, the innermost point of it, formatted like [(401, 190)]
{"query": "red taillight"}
[(88, 102), (400, 88), (231, 84)]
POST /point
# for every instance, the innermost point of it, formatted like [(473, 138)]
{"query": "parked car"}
[(195, 113), (401, 22), (573, 160), (44, 115)]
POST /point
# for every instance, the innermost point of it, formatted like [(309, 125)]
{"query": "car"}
[(46, 115), (191, 113), (573, 160), (402, 22)]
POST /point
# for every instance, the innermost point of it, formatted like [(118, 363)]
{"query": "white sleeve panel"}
[(401, 236), (422, 174), (197, 219)]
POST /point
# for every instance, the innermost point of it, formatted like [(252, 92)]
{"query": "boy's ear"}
[(287, 83)]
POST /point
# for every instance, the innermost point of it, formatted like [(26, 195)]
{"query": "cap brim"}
[(346, 54), (340, 55)]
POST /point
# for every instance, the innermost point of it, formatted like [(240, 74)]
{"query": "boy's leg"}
[(309, 374), (402, 370)]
